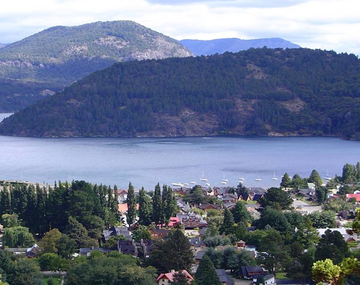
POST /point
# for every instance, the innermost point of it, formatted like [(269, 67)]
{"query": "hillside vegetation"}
[(58, 56), (254, 92), (209, 47)]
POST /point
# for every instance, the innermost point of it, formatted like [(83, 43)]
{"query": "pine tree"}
[(157, 205), (228, 224), (172, 253), (206, 274), (131, 203), (315, 178), (145, 211), (5, 201), (169, 204), (285, 181)]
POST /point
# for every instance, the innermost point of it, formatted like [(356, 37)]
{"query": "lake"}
[(147, 161)]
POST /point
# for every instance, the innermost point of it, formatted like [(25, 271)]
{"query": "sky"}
[(325, 24)]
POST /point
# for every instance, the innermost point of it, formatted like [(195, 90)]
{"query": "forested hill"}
[(254, 92), (58, 56), (209, 47)]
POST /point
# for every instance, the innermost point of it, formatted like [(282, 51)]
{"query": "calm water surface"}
[(146, 162)]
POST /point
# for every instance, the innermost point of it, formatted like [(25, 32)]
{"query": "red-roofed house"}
[(356, 196), (124, 207), (168, 278)]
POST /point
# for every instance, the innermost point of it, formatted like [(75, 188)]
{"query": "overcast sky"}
[(324, 24)]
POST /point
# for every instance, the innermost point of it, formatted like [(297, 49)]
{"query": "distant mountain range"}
[(2, 45), (58, 56), (200, 47), (254, 92)]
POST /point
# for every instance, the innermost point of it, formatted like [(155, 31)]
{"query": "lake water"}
[(145, 161)]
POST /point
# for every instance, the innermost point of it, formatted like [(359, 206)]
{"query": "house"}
[(229, 205), (196, 242), (168, 278), (87, 250), (147, 247), (122, 208), (128, 247), (207, 207), (191, 221), (353, 196), (268, 279), (225, 279), (248, 272), (245, 197), (17, 251), (347, 233), (122, 195), (159, 233), (33, 251), (240, 244), (256, 190), (258, 197), (116, 231), (230, 198), (199, 256)]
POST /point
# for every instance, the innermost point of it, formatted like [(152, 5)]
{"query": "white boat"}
[(274, 178), (207, 184), (177, 184), (225, 179), (193, 182), (223, 182), (186, 184), (241, 178), (203, 178), (258, 179)]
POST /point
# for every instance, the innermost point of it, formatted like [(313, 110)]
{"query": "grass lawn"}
[(49, 280), (281, 275)]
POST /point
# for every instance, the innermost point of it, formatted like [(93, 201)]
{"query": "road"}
[(305, 207)]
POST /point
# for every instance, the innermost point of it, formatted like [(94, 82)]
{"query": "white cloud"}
[(325, 24)]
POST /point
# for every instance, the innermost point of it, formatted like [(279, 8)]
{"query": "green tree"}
[(131, 203), (180, 278), (141, 233), (206, 274), (228, 224), (230, 259), (326, 271), (275, 197), (274, 254), (45, 261), (145, 208), (172, 253), (157, 205), (315, 178), (285, 181), (321, 194), (241, 190), (273, 218), (324, 219), (77, 232), (25, 271), (65, 246), (240, 213), (17, 237), (48, 242), (10, 220), (349, 173), (332, 246), (169, 203)]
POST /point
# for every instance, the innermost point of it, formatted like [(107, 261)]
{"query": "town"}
[(303, 232)]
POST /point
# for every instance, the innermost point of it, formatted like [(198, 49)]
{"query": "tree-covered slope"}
[(58, 56), (203, 47), (258, 92)]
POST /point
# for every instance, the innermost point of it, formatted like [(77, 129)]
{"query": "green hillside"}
[(254, 92), (61, 55)]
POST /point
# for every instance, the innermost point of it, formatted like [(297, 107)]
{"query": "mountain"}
[(199, 47), (2, 45), (253, 92), (58, 56)]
